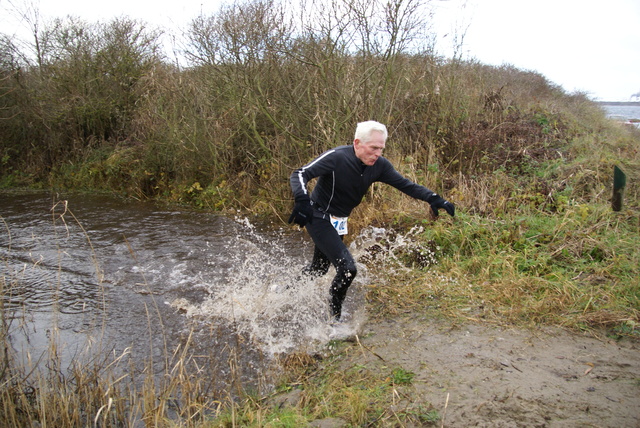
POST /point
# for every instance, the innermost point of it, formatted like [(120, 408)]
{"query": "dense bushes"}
[(264, 91)]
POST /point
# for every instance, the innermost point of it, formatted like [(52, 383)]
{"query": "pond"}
[(94, 278)]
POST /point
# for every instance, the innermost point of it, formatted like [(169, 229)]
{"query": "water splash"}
[(263, 296)]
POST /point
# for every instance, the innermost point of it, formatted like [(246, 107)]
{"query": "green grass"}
[(576, 266)]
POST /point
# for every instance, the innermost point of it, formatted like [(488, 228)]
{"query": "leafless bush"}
[(268, 86)]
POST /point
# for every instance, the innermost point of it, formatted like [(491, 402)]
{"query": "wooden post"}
[(619, 183)]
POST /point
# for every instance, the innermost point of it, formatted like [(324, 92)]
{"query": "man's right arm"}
[(301, 176), (299, 184), (302, 209)]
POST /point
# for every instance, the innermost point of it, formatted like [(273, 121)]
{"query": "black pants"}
[(331, 250)]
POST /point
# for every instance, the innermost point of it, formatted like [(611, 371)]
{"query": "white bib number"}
[(340, 224)]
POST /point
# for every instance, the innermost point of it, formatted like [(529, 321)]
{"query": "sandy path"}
[(477, 375)]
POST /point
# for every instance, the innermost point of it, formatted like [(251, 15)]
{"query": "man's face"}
[(369, 152)]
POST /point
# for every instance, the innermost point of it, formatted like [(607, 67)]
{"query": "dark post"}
[(619, 183)]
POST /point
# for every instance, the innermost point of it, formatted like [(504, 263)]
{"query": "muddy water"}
[(105, 279)]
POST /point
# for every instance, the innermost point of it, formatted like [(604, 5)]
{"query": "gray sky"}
[(585, 45)]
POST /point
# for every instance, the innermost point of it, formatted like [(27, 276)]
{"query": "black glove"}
[(437, 202), (302, 212)]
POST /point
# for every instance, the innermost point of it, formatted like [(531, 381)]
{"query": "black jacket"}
[(343, 181)]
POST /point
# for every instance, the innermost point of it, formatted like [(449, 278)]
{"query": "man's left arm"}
[(393, 178)]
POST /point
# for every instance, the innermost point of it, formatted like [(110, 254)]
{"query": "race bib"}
[(340, 224)]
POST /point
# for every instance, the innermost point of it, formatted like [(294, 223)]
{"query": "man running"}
[(344, 174)]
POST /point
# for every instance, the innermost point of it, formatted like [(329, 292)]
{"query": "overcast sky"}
[(585, 45), (591, 46)]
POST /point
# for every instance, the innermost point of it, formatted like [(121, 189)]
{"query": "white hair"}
[(364, 130)]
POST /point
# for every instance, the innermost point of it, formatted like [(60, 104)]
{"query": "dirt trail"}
[(484, 376)]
